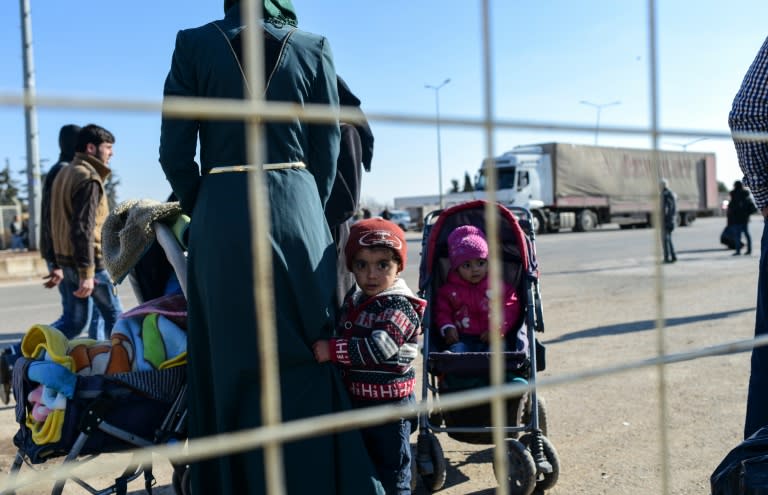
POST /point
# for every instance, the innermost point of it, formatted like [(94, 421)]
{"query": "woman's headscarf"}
[(278, 10)]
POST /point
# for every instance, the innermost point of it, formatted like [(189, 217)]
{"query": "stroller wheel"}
[(436, 418), (545, 481), (524, 412), (521, 473), (430, 461)]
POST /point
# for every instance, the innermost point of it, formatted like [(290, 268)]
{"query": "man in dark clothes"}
[(668, 217), (224, 358), (740, 207)]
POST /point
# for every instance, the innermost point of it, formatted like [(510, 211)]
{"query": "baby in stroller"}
[(463, 302)]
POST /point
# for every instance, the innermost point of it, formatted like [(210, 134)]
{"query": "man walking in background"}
[(740, 207), (55, 277), (78, 210)]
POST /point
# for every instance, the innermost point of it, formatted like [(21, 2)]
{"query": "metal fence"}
[(256, 109)]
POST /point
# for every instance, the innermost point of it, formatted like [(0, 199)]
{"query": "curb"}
[(22, 265)]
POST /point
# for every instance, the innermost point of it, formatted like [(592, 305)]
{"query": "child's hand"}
[(451, 335), (322, 351)]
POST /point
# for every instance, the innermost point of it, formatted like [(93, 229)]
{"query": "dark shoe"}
[(748, 252), (736, 254)]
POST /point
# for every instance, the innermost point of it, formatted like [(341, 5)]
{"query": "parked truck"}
[(581, 187)]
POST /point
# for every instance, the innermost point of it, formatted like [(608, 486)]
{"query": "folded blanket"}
[(147, 342), (144, 340), (56, 367), (172, 306)]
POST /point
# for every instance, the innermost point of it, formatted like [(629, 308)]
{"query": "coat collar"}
[(99, 166)]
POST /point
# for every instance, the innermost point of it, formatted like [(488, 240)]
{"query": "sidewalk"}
[(21, 265)]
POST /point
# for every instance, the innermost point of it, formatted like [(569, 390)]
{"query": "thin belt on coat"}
[(247, 168)]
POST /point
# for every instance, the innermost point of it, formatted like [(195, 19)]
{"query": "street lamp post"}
[(437, 124), (599, 107), (684, 146)]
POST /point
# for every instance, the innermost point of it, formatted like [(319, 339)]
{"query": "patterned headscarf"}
[(281, 11)]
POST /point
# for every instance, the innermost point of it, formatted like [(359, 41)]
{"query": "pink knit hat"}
[(466, 243)]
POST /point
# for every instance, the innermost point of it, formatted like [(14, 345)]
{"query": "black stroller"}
[(110, 413), (533, 461)]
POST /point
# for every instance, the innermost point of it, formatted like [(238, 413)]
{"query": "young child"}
[(376, 343), (462, 302)]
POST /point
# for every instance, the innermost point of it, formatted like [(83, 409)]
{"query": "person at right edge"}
[(749, 114), (300, 158)]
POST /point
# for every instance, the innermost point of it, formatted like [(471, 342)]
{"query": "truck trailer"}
[(581, 187)]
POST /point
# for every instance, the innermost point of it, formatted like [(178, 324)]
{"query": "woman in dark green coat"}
[(224, 381)]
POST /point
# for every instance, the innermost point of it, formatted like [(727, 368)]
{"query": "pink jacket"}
[(465, 306)]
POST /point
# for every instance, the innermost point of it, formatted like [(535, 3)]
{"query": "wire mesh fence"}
[(256, 110)]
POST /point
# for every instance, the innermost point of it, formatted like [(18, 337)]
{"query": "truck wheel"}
[(537, 222), (586, 220), (686, 219)]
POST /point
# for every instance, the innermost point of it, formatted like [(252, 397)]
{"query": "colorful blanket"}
[(146, 338)]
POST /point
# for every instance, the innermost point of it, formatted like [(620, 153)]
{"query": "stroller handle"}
[(173, 251)]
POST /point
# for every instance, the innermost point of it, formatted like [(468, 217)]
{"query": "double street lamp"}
[(599, 107), (684, 146), (437, 123)]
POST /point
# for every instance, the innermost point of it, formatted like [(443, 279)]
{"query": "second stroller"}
[(533, 461)]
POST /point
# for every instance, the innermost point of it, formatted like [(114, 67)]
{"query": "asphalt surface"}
[(600, 312)]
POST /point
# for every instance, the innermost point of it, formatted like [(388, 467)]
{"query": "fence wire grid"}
[(275, 432)]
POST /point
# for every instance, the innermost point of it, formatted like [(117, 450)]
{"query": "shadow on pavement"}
[(643, 325)]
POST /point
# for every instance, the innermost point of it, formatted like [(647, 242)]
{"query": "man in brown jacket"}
[(78, 210)]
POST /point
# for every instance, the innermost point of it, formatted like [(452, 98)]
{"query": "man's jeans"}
[(104, 297), (757, 398), (739, 229), (96, 329), (17, 242), (668, 247)]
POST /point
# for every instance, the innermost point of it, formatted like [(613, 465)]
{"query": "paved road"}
[(599, 308), (25, 302)]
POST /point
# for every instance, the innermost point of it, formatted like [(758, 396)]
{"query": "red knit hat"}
[(373, 232)]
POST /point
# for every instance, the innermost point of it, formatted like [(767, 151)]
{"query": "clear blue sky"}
[(548, 56)]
